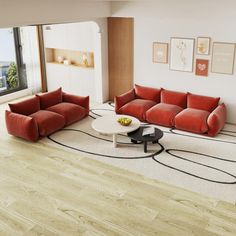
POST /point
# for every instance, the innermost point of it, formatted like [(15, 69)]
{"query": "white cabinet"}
[(57, 76), (76, 80), (82, 82)]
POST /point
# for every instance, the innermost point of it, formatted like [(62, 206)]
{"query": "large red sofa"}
[(44, 114), (185, 111)]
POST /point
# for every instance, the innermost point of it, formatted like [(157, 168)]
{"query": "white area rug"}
[(194, 162)]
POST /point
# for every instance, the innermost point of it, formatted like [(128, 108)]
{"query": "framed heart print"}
[(201, 67)]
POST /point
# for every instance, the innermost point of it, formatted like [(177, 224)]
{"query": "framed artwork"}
[(160, 52), (223, 58), (181, 54), (201, 68), (203, 45)]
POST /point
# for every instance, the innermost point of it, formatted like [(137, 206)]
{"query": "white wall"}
[(160, 20), (101, 60), (31, 12), (82, 36)]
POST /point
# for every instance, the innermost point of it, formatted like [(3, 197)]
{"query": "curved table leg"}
[(145, 146), (114, 141)]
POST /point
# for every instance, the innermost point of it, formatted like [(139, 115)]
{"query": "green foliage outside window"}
[(12, 77)]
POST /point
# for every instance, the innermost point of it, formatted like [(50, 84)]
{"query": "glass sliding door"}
[(12, 67)]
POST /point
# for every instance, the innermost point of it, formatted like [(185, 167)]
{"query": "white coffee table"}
[(109, 125)]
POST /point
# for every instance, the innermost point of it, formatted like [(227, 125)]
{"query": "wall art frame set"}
[(181, 55)]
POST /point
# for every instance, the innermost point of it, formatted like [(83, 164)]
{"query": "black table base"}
[(137, 137)]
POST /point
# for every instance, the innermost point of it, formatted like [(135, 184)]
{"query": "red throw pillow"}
[(147, 93), (174, 98), (50, 98), (26, 107), (202, 102)]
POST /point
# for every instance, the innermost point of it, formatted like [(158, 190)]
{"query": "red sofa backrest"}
[(147, 93), (26, 107), (202, 102), (174, 98), (50, 98)]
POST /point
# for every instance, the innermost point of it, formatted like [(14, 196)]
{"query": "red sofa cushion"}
[(69, 111), (26, 107), (147, 93), (192, 120), (163, 114), (202, 102), (48, 122), (50, 99), (216, 120), (137, 108), (175, 98), (21, 126)]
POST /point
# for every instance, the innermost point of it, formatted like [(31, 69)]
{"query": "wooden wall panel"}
[(120, 55)]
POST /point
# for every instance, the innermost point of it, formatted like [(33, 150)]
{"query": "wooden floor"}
[(48, 191)]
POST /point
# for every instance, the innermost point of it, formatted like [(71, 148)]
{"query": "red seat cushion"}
[(137, 108), (147, 93), (163, 114), (175, 98), (50, 99), (202, 102), (71, 112), (192, 120), (26, 107), (48, 122)]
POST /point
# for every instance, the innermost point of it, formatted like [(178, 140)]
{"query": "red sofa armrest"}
[(216, 120), (21, 126), (78, 100), (121, 100)]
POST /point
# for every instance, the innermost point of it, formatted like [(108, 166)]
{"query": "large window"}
[(12, 67)]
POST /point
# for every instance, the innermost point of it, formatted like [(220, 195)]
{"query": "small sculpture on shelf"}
[(67, 62), (85, 60), (60, 59)]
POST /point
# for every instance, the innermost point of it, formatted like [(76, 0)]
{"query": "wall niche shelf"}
[(70, 58)]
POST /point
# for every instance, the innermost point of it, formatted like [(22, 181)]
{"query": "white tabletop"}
[(109, 125)]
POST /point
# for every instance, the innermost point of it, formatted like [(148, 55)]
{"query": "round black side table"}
[(137, 136)]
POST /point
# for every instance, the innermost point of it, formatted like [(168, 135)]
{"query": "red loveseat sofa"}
[(44, 114), (185, 111)]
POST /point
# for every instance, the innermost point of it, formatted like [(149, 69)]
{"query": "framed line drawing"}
[(203, 45), (181, 54), (201, 68), (223, 55), (160, 52)]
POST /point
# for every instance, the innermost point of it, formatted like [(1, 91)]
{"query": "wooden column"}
[(120, 55), (42, 58)]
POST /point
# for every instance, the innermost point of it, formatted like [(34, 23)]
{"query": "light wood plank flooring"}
[(48, 191)]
